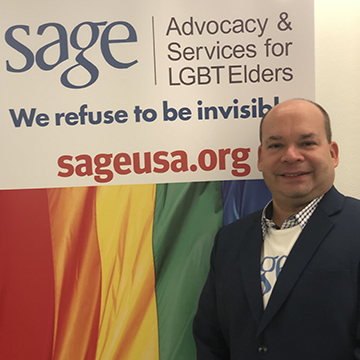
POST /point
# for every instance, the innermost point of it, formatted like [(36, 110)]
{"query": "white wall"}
[(337, 66)]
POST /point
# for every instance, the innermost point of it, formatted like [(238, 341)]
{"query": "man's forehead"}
[(294, 105), (294, 109), (309, 116)]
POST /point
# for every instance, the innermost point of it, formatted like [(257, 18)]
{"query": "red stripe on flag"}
[(26, 276)]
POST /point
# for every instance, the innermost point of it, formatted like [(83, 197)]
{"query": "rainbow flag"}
[(109, 273)]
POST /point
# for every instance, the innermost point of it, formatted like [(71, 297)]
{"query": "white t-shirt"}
[(276, 248)]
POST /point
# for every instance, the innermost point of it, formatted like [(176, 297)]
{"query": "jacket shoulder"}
[(335, 203), (241, 226)]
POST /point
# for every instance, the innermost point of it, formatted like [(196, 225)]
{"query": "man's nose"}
[(292, 154)]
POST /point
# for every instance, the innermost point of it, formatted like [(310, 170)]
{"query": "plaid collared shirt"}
[(301, 218)]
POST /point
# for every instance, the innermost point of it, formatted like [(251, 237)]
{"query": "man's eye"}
[(309, 143), (274, 146)]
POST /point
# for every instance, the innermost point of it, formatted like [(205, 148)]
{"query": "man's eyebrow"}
[(274, 138), (306, 136), (279, 137)]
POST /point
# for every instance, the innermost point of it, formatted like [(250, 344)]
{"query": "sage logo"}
[(62, 43)]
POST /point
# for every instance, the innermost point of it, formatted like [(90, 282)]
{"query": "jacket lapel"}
[(250, 268), (305, 247)]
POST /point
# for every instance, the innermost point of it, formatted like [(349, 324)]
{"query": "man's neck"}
[(281, 213)]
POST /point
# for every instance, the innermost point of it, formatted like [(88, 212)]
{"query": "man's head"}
[(296, 155)]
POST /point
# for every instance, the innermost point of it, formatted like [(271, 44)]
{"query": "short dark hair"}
[(326, 116)]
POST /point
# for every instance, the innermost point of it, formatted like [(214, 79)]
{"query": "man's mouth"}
[(294, 174)]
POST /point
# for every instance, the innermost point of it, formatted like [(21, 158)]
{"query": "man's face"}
[(297, 162)]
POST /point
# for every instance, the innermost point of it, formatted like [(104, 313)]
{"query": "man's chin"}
[(297, 194), (303, 195)]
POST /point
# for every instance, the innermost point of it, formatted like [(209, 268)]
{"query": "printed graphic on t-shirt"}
[(270, 270)]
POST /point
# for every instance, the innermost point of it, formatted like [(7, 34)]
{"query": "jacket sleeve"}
[(357, 340), (209, 339)]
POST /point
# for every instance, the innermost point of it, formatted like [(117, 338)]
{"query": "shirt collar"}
[(301, 218)]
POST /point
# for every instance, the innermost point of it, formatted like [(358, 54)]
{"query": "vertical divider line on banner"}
[(154, 48)]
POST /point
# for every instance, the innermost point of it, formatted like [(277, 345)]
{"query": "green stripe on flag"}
[(187, 217)]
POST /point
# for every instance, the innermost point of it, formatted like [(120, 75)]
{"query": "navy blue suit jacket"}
[(313, 312)]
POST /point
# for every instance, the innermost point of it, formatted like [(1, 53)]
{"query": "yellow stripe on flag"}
[(128, 316)]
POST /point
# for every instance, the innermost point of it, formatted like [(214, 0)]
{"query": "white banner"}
[(104, 92)]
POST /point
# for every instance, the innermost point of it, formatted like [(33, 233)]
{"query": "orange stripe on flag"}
[(77, 272)]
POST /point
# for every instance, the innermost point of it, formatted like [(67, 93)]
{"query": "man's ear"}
[(259, 158), (334, 152)]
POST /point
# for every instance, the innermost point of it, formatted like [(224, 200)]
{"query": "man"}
[(284, 282)]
